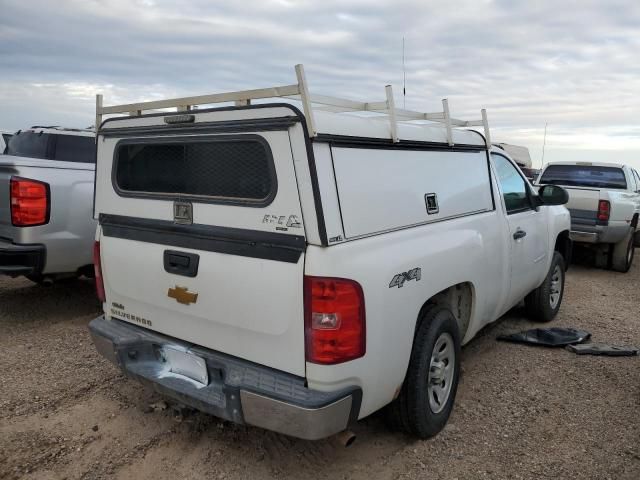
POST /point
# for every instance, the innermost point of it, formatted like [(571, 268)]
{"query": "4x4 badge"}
[(399, 279), (182, 295)]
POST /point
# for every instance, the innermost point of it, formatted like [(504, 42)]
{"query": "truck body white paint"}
[(363, 217)]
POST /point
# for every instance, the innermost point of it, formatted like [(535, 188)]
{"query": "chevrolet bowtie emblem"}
[(182, 295)]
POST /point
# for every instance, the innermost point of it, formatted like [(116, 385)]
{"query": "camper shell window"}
[(226, 169)]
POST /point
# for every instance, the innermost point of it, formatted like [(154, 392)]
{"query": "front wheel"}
[(622, 253), (544, 302), (429, 389)]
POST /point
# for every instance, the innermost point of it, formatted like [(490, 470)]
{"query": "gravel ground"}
[(521, 412)]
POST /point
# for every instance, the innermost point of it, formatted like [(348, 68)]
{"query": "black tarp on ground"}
[(548, 337), (603, 349)]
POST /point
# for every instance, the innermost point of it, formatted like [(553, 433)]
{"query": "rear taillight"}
[(334, 320), (604, 210), (29, 202), (97, 268)]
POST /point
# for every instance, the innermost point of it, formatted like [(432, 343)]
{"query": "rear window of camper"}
[(236, 170)]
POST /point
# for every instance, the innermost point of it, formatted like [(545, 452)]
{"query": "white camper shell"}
[(518, 154), (275, 266)]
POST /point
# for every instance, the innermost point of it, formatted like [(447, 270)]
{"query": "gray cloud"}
[(572, 64)]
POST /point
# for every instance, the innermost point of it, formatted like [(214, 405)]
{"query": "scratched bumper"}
[(237, 390)]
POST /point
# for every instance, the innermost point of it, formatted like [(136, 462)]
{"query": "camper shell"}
[(229, 237)]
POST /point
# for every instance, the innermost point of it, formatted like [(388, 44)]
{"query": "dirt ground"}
[(521, 412)]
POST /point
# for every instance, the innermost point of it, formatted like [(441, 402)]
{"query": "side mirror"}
[(553, 195)]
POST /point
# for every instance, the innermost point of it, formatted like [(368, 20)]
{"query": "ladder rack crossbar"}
[(300, 92), (241, 95)]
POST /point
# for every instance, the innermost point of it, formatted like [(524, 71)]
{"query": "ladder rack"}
[(300, 92)]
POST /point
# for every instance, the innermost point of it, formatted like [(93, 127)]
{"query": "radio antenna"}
[(544, 142), (404, 79)]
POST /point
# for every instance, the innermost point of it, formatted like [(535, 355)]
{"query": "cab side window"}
[(514, 187)]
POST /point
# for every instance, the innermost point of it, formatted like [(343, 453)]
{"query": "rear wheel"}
[(622, 253), (544, 302), (429, 389)]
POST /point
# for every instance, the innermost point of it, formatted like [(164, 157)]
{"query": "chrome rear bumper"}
[(294, 420), (583, 237), (237, 390)]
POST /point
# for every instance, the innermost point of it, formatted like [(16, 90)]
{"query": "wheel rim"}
[(441, 370), (556, 287), (630, 251)]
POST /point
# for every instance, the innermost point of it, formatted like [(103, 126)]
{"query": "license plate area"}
[(181, 362)]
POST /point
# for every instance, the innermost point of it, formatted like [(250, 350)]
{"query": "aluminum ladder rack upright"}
[(300, 91)]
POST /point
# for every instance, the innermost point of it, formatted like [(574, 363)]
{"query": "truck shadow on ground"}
[(277, 454), (24, 302), (584, 256)]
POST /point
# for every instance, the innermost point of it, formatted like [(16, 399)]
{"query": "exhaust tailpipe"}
[(345, 438)]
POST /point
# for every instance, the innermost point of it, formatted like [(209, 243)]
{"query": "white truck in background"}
[(300, 271), (520, 154), (604, 202), (46, 198), (5, 135)]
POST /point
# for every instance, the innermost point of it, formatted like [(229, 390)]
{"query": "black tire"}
[(411, 412), (539, 304), (622, 253), (602, 255)]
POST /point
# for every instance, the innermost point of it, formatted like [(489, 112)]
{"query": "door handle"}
[(519, 234)]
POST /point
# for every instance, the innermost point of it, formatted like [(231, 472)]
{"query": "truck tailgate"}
[(247, 307), (583, 205)]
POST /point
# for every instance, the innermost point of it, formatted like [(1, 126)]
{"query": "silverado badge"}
[(182, 295)]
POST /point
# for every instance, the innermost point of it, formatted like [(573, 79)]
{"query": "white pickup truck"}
[(46, 198), (300, 271), (4, 140), (604, 201)]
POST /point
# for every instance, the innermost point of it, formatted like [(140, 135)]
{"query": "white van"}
[(299, 271)]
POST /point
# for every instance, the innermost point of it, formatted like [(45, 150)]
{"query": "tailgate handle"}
[(181, 263)]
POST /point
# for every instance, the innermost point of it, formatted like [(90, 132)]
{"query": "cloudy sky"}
[(572, 64)]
